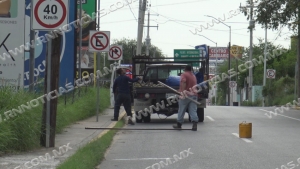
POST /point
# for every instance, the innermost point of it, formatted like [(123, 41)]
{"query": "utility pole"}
[(251, 49), (142, 9), (251, 26), (265, 64), (148, 40), (298, 48)]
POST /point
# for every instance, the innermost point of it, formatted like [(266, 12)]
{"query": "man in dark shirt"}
[(121, 87), (200, 76)]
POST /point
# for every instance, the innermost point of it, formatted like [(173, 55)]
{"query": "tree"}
[(129, 47), (275, 13)]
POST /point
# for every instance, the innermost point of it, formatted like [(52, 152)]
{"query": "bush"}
[(22, 132)]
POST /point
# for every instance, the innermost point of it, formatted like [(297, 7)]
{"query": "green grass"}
[(91, 155), (22, 132)]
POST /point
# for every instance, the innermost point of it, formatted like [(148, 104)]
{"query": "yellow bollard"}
[(245, 130)]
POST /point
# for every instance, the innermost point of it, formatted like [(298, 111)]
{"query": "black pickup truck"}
[(150, 92)]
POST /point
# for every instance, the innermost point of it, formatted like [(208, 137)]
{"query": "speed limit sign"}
[(49, 14)]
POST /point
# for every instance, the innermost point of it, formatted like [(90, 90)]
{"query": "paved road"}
[(275, 142)]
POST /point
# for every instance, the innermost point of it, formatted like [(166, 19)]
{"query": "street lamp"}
[(229, 90), (216, 67)]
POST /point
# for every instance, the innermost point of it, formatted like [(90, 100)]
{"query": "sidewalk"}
[(76, 135)]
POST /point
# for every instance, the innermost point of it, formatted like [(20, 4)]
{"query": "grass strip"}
[(22, 132), (90, 156)]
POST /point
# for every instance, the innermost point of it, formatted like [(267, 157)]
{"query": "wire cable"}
[(132, 12)]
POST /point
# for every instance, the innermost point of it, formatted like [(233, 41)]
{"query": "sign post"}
[(49, 15), (99, 41)]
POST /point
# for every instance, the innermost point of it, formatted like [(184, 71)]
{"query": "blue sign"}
[(203, 48), (67, 58)]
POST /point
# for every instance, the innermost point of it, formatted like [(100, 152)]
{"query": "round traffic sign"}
[(103, 46), (232, 84), (50, 13), (115, 51), (271, 73)]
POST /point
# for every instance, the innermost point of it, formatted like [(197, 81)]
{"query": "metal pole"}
[(230, 97), (32, 61), (265, 64), (295, 90), (148, 38), (251, 50), (98, 16), (98, 98), (48, 91), (80, 39), (215, 75)]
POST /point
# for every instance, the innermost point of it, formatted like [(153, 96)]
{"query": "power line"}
[(132, 12)]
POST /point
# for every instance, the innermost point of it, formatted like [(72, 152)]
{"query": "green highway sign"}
[(187, 55)]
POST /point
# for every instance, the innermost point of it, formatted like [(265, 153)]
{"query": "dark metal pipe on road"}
[(100, 128)]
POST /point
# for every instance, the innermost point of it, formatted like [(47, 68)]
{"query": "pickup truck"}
[(150, 92)]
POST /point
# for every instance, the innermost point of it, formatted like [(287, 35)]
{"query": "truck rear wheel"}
[(200, 114), (147, 119)]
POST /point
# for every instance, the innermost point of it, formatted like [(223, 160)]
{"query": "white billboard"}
[(12, 16)]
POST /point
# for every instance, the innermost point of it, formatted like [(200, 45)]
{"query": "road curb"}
[(113, 124)]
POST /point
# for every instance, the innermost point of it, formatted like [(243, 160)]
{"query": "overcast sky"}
[(177, 18)]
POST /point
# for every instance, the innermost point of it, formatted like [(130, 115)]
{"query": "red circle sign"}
[(111, 52), (271, 73), (38, 4), (104, 46)]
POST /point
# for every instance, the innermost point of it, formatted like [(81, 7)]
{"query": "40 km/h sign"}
[(271, 73), (49, 14)]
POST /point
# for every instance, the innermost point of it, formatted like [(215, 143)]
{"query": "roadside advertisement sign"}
[(67, 56), (12, 37), (221, 53), (87, 58), (236, 51)]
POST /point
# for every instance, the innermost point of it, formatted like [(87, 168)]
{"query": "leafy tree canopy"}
[(129, 48), (276, 13)]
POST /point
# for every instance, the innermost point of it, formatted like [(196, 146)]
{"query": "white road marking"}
[(282, 115), (264, 110), (246, 140), (211, 119), (132, 159)]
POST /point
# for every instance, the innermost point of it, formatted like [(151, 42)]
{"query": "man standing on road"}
[(121, 87), (187, 81)]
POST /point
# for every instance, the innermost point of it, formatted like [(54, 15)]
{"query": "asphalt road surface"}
[(216, 145)]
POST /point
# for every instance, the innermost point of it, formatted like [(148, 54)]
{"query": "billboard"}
[(67, 56), (236, 51), (12, 37), (221, 53), (87, 58)]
